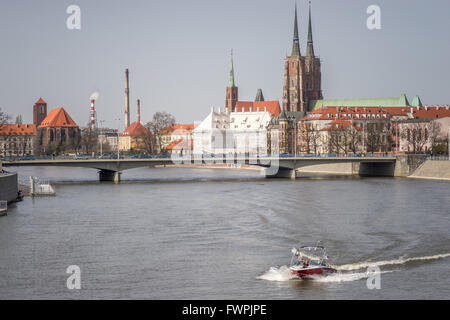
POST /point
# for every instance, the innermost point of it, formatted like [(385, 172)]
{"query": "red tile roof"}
[(329, 113), (172, 128), (273, 107), (429, 112), (340, 125), (17, 130), (135, 129), (180, 144), (58, 118), (40, 101)]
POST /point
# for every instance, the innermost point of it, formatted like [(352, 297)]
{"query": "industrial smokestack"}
[(92, 114), (127, 100), (138, 111)]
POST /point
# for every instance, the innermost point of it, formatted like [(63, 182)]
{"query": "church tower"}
[(232, 90), (302, 74), (39, 112)]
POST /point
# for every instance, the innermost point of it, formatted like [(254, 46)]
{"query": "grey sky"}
[(178, 53)]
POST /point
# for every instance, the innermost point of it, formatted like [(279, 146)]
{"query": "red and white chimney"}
[(92, 114)]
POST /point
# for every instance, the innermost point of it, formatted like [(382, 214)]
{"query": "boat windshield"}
[(309, 256)]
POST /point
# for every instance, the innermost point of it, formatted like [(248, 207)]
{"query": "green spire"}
[(259, 95), (403, 101), (310, 47), (231, 84), (416, 102), (282, 116), (295, 44)]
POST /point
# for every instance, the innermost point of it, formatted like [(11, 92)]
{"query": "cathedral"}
[(302, 74)]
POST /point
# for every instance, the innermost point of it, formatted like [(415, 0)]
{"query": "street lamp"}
[(101, 137), (363, 137), (118, 138), (295, 134)]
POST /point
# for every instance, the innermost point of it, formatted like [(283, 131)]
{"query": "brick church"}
[(302, 74)]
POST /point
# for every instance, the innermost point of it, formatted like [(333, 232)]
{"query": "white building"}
[(233, 133)]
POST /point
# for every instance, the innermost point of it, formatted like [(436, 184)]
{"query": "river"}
[(179, 233)]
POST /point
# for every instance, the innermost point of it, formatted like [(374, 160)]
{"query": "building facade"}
[(243, 131), (17, 140), (176, 132), (135, 138), (425, 128), (58, 133)]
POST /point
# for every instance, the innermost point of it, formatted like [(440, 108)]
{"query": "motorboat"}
[(308, 261)]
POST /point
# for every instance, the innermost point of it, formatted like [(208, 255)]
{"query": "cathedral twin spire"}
[(296, 39), (231, 83)]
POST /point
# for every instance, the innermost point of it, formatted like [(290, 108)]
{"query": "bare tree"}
[(4, 118), (149, 143), (308, 137), (89, 140), (160, 121), (338, 141), (418, 134), (353, 139)]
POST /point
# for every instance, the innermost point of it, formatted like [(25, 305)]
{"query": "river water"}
[(178, 233)]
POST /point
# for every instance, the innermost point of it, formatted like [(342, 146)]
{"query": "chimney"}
[(127, 100), (92, 114), (138, 111)]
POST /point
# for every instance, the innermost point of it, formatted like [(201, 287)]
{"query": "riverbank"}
[(211, 166), (332, 168), (433, 170), (8, 186), (430, 170)]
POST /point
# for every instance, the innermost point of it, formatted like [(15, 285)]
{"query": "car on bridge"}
[(80, 157), (28, 157), (286, 154)]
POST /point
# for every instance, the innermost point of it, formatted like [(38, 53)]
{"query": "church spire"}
[(231, 83), (232, 90), (310, 47), (295, 44)]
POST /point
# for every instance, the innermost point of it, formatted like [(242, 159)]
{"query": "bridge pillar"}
[(282, 173), (109, 175)]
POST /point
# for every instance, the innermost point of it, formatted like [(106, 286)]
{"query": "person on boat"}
[(300, 260), (306, 263)]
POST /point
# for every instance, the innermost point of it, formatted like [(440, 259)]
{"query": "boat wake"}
[(282, 274), (399, 261), (277, 274), (345, 272)]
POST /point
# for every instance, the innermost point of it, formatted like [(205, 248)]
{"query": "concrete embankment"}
[(8, 186), (432, 169), (210, 166), (332, 168)]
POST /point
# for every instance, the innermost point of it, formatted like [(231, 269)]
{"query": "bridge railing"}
[(438, 157)]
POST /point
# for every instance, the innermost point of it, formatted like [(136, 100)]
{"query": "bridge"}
[(110, 169)]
